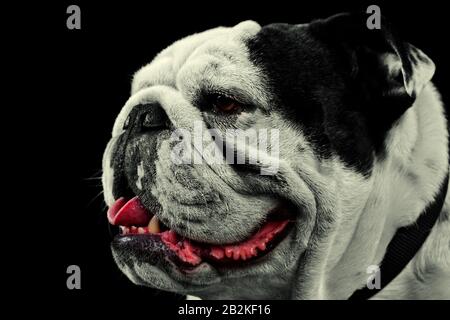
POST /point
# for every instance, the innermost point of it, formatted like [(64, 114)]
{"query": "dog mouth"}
[(135, 220)]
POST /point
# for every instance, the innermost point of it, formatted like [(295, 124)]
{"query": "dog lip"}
[(135, 220)]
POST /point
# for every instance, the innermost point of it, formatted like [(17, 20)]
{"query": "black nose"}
[(146, 117)]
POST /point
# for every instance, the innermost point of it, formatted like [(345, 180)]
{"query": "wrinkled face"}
[(244, 229)]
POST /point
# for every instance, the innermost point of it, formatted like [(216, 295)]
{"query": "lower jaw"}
[(145, 258)]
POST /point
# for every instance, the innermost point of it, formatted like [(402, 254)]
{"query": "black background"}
[(82, 79)]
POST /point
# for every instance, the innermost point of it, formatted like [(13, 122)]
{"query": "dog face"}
[(331, 93)]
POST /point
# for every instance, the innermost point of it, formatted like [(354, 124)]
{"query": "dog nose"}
[(146, 117)]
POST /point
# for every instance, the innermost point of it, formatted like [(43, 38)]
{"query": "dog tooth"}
[(217, 252), (141, 230), (228, 252), (153, 225), (236, 254)]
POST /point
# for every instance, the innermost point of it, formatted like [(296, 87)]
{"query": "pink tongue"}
[(131, 213)]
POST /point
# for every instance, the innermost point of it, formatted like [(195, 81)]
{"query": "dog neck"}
[(427, 276), (402, 184)]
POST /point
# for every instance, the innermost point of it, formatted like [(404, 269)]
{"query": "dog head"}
[(329, 98)]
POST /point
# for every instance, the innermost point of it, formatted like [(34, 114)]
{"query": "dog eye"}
[(226, 105)]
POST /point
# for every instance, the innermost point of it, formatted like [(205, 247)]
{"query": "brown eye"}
[(226, 105)]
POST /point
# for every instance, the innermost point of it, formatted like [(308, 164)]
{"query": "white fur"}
[(140, 174)]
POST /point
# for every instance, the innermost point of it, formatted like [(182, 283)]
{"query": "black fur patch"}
[(309, 91), (333, 91)]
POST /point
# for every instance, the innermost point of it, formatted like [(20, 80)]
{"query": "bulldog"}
[(362, 151)]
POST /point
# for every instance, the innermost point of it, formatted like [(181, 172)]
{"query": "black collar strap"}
[(405, 244)]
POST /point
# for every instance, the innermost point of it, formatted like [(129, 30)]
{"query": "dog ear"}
[(378, 58)]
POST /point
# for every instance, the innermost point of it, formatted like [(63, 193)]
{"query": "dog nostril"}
[(155, 120), (145, 117), (148, 121)]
